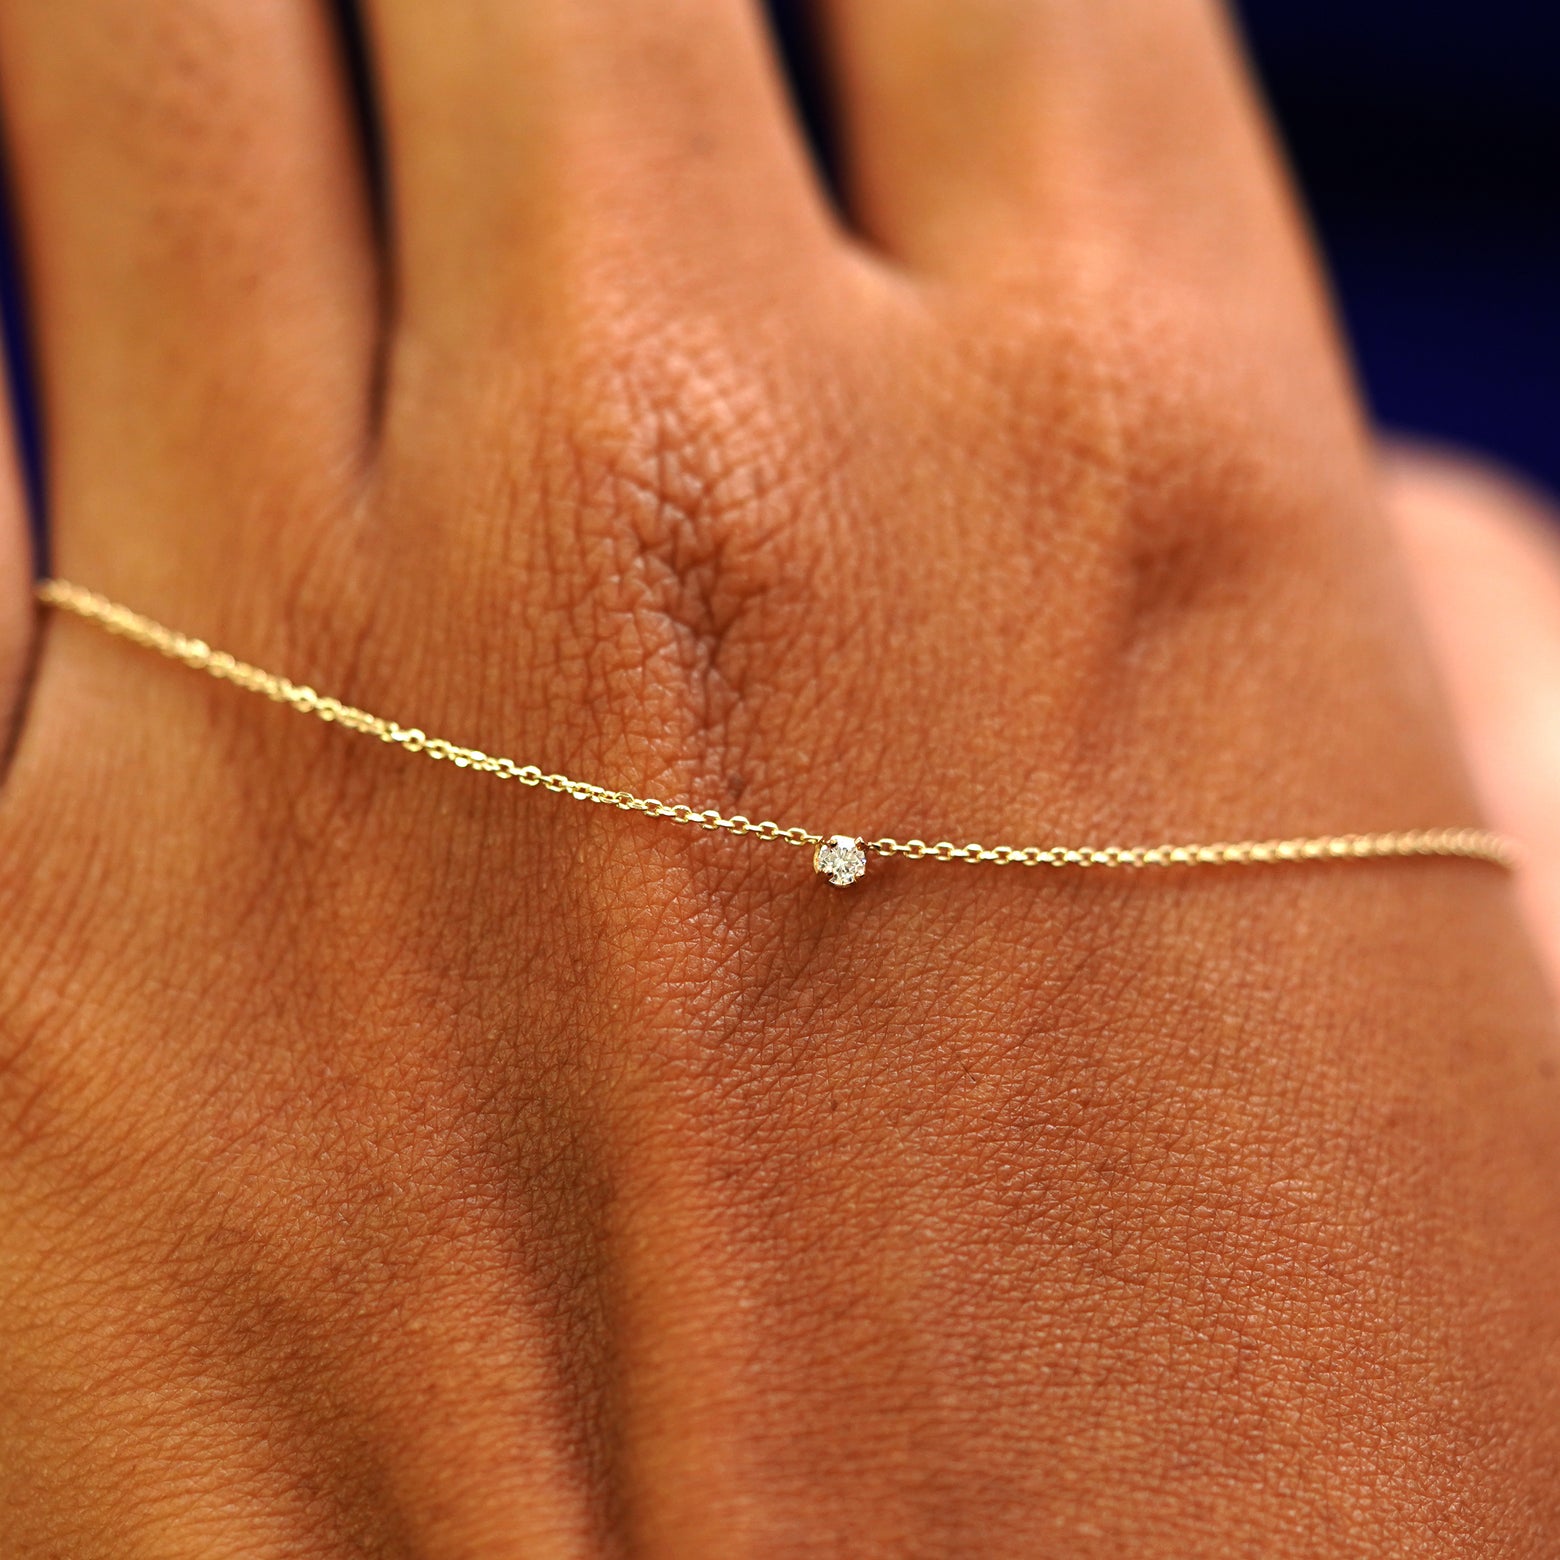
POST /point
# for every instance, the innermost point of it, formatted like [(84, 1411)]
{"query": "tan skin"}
[(397, 1163)]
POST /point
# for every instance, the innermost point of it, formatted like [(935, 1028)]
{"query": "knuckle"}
[(680, 542), (1166, 469)]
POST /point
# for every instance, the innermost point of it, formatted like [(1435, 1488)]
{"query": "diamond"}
[(841, 858)]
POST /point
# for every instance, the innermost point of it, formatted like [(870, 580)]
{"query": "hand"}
[(394, 1162)]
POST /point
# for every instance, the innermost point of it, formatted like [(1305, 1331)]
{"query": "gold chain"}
[(840, 857)]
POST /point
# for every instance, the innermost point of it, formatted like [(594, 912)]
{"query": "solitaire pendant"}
[(841, 858)]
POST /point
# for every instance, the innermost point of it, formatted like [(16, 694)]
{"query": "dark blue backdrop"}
[(1426, 136)]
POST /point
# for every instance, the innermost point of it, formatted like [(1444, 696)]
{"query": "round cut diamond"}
[(841, 858)]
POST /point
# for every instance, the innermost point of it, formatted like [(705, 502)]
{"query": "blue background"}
[(1427, 139)]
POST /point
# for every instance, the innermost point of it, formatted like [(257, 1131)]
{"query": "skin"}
[(397, 1163), (1485, 563)]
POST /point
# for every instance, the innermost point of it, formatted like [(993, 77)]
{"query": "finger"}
[(1485, 556), (536, 149), (200, 268), (979, 131)]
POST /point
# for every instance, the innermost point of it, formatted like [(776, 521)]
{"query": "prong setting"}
[(841, 858)]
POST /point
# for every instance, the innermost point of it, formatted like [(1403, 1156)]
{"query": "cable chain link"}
[(1466, 843)]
